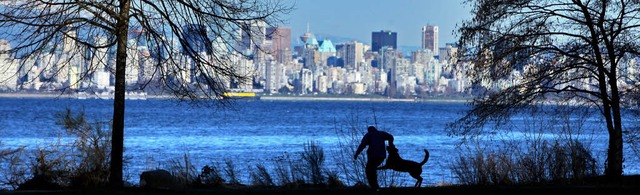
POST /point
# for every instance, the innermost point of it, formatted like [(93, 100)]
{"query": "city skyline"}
[(357, 19), (320, 66)]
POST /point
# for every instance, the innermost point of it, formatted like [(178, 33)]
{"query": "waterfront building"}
[(380, 83), (101, 79), (74, 78), (133, 64), (8, 69), (245, 67), (276, 77), (358, 88), (306, 78), (69, 56), (146, 64), (432, 74), (321, 84), (430, 38)]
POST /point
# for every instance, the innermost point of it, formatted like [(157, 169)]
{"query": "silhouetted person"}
[(376, 153)]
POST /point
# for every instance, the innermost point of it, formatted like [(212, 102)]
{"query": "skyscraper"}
[(196, 39), (351, 52), (8, 80), (252, 36), (383, 38), (280, 38), (430, 38)]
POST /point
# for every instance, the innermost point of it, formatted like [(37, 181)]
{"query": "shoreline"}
[(261, 98), (311, 98)]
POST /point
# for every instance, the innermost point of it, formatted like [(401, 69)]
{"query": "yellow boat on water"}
[(241, 95)]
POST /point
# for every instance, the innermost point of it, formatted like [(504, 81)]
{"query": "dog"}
[(396, 163)]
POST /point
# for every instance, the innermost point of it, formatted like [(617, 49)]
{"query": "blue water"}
[(250, 132)]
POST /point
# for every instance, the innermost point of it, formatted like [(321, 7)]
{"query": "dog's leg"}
[(417, 177), (419, 182), (384, 167)]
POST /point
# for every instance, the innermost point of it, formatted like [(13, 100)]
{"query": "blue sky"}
[(356, 19)]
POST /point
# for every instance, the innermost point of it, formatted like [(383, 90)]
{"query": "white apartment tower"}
[(430, 38), (251, 36), (99, 63), (8, 70)]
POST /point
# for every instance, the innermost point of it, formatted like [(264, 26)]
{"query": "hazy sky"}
[(356, 19)]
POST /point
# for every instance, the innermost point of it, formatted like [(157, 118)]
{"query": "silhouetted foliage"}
[(527, 53), (186, 40)]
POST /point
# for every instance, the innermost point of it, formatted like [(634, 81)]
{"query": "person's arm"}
[(390, 139), (361, 147)]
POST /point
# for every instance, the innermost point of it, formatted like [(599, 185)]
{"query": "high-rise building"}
[(352, 53), (326, 50), (383, 38), (99, 59), (421, 56), (430, 38), (252, 36), (447, 53), (196, 39), (8, 69), (280, 38)]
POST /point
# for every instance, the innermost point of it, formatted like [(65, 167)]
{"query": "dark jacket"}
[(375, 140)]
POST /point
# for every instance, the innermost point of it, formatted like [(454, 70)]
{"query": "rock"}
[(158, 179)]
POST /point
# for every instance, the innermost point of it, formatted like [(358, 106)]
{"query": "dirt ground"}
[(629, 185)]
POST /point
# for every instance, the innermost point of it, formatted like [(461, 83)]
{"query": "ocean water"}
[(251, 133)]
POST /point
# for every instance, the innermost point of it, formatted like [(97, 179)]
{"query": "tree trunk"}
[(117, 140), (615, 154)]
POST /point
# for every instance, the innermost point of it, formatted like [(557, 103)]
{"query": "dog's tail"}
[(426, 157)]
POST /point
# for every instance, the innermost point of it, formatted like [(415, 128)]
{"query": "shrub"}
[(183, 170), (210, 176), (231, 172), (80, 163), (313, 157), (557, 162), (90, 150), (261, 177), (14, 167)]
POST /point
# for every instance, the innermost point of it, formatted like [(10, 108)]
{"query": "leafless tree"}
[(190, 44), (566, 50)]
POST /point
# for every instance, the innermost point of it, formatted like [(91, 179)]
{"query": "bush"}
[(182, 170), (532, 157), (261, 177), (81, 163), (14, 167), (91, 149), (313, 156), (210, 176)]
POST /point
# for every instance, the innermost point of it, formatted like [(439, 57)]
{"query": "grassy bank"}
[(629, 185)]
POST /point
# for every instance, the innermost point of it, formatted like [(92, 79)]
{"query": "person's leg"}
[(371, 171)]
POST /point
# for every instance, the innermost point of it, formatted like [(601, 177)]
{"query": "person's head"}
[(372, 129)]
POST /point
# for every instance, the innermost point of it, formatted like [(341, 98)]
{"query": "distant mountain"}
[(407, 49), (335, 39)]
